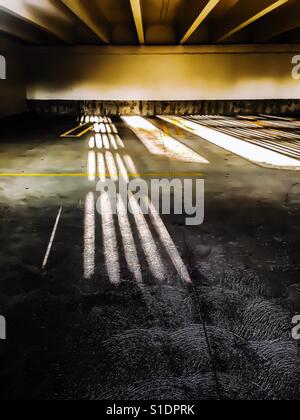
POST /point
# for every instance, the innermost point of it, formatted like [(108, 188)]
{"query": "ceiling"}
[(150, 22)]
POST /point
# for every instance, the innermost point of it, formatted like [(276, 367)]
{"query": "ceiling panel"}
[(164, 22)]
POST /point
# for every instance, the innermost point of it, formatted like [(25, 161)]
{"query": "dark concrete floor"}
[(225, 336)]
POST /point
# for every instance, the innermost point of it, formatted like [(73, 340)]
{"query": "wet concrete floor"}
[(110, 316)]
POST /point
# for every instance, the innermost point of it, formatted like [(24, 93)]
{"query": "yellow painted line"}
[(84, 132), (74, 175), (45, 175), (68, 133)]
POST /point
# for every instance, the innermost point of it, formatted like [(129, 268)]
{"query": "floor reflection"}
[(108, 160), (267, 142), (110, 245), (161, 144), (89, 236), (129, 245)]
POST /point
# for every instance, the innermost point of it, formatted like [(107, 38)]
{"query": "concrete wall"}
[(162, 73), (13, 89), (278, 107)]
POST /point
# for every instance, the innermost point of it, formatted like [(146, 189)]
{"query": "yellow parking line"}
[(74, 175), (85, 131), (70, 131), (67, 134)]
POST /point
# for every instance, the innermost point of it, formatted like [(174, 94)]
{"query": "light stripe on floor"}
[(110, 243), (89, 236), (129, 246), (168, 243), (160, 143), (251, 152), (148, 244), (93, 174), (281, 141)]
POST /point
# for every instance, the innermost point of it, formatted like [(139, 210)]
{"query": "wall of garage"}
[(289, 107), (162, 73), (13, 89)]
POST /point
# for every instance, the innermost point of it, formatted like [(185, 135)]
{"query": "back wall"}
[(161, 73)]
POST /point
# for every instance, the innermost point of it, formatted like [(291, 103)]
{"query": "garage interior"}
[(143, 307)]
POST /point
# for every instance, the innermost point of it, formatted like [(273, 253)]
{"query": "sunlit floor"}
[(134, 306), (263, 141), (280, 136)]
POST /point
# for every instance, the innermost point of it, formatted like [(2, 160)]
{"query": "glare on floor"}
[(122, 168), (111, 253), (113, 141), (120, 142), (130, 164), (161, 144), (106, 143), (150, 249), (89, 236), (168, 243), (92, 143), (91, 169), (232, 144), (129, 246), (98, 139), (101, 167), (112, 168), (102, 128)]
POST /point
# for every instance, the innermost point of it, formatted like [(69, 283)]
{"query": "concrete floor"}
[(227, 335)]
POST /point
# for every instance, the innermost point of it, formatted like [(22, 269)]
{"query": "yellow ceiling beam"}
[(200, 18), (17, 28), (138, 19), (268, 7), (91, 20), (278, 24), (58, 24)]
